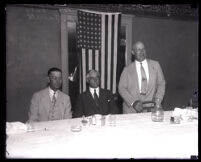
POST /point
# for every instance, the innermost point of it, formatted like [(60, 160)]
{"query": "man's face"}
[(94, 80), (55, 80), (139, 51)]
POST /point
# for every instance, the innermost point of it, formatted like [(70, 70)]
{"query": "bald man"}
[(131, 81)]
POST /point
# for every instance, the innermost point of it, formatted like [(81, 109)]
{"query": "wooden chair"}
[(148, 106)]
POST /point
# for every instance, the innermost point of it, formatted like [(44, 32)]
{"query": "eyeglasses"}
[(94, 78)]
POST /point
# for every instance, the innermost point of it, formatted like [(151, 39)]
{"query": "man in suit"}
[(94, 100), (132, 88), (50, 103)]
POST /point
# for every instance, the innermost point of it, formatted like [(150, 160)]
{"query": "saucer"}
[(76, 128)]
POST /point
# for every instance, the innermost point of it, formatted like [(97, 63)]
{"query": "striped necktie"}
[(54, 99), (52, 111)]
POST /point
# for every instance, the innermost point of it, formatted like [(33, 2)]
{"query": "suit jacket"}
[(41, 106), (129, 86), (86, 105)]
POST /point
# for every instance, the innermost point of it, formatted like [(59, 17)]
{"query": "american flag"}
[(98, 43)]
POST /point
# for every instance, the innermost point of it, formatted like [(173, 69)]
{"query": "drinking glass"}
[(103, 121), (112, 120), (157, 114), (189, 113), (30, 126)]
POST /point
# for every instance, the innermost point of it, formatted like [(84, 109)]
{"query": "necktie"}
[(51, 113), (54, 99), (144, 81), (96, 98)]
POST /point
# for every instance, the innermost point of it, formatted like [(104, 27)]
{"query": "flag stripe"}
[(115, 54), (109, 51), (90, 59), (96, 60), (106, 51), (103, 51), (80, 71), (112, 53), (84, 68), (86, 57), (93, 59)]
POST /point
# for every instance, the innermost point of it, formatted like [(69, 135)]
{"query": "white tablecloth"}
[(134, 136)]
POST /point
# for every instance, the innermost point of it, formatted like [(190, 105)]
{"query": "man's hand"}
[(137, 105)]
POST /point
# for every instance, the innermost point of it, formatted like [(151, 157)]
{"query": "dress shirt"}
[(52, 93), (145, 66), (92, 91)]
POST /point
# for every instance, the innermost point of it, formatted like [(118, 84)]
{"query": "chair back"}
[(148, 106)]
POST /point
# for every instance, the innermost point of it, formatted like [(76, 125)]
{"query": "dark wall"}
[(174, 43), (32, 47)]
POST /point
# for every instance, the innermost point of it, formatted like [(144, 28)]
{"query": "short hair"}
[(89, 74), (53, 69)]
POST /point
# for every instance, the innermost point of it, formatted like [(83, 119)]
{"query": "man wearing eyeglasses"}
[(50, 103), (141, 81)]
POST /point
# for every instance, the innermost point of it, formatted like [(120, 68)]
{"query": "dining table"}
[(133, 136)]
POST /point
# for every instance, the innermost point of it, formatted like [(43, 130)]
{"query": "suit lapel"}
[(89, 95), (136, 83), (151, 73), (91, 99), (101, 99), (58, 98), (46, 100)]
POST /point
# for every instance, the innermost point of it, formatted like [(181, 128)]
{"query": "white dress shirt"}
[(92, 91), (145, 66), (52, 93)]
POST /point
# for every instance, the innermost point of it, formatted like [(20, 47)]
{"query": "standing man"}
[(94, 100), (50, 103), (141, 81)]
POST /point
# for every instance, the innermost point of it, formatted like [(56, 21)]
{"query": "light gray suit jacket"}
[(41, 105), (129, 86)]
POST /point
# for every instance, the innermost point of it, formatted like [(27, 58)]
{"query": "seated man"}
[(50, 103), (94, 100)]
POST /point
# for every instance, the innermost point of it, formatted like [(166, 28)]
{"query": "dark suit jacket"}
[(86, 105)]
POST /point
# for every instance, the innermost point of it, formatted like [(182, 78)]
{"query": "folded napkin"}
[(15, 127), (185, 113)]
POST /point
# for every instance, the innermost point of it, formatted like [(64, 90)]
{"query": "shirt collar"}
[(92, 90), (52, 92), (143, 62)]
